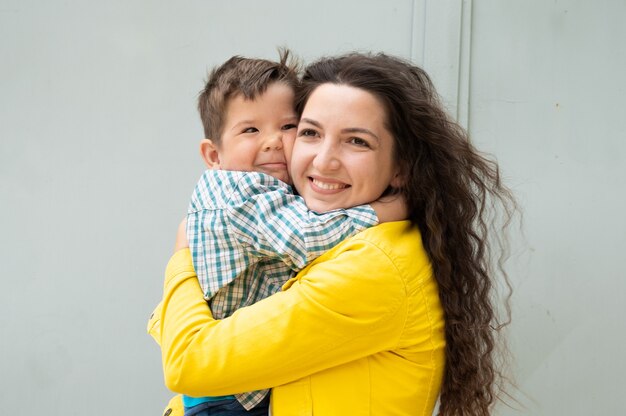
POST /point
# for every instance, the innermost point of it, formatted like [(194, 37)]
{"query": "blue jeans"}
[(229, 407)]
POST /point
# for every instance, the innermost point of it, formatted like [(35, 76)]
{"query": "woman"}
[(361, 329)]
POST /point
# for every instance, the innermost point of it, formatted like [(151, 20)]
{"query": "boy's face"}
[(255, 133)]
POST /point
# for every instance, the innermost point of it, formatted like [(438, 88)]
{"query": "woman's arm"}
[(348, 304), (154, 323)]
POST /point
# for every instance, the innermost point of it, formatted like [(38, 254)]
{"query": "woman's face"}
[(343, 153)]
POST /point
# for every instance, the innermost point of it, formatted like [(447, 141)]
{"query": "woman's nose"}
[(326, 159)]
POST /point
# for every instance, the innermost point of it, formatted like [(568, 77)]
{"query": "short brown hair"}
[(238, 75)]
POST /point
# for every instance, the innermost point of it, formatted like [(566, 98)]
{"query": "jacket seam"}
[(402, 279), (399, 302), (432, 349)]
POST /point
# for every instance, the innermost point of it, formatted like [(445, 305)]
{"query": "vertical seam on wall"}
[(418, 48), (412, 50), (464, 75)]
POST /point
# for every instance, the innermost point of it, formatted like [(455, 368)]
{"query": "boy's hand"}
[(181, 236), (390, 208)]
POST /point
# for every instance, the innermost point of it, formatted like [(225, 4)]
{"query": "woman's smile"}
[(321, 185), (343, 152)]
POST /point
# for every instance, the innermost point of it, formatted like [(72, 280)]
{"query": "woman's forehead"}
[(345, 104)]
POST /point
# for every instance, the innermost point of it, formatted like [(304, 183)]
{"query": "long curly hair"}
[(455, 196)]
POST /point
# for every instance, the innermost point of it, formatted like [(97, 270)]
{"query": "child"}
[(248, 233)]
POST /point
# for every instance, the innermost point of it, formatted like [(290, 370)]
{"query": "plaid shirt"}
[(248, 234)]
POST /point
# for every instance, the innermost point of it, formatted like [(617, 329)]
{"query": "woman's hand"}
[(181, 236)]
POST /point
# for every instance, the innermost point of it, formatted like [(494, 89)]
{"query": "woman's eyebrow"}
[(360, 130), (310, 121), (346, 130)]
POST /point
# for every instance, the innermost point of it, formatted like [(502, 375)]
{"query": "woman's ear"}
[(210, 154), (398, 180)]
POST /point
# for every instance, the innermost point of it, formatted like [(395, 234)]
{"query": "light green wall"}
[(98, 155), (546, 96)]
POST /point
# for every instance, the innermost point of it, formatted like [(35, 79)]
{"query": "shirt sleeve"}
[(339, 311), (275, 223)]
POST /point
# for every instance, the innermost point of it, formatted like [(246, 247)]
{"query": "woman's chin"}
[(322, 206)]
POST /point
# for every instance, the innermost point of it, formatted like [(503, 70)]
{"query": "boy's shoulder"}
[(234, 179), (217, 188), (236, 176)]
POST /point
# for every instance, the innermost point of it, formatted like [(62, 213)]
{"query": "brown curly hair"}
[(454, 195)]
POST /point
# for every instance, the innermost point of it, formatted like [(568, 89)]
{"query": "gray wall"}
[(98, 155), (546, 96)]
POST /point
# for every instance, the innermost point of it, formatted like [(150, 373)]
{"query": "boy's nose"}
[(276, 146), (274, 142)]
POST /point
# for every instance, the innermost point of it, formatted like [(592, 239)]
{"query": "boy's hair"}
[(238, 75)]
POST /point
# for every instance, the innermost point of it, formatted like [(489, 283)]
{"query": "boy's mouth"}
[(274, 166)]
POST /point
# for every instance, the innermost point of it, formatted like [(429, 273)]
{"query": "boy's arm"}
[(277, 224)]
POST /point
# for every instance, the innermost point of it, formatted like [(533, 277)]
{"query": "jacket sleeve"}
[(346, 305)]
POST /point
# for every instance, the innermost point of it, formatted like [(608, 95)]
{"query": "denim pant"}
[(230, 407)]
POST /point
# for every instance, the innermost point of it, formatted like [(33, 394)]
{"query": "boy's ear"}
[(210, 154)]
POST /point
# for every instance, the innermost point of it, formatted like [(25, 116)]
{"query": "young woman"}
[(391, 319)]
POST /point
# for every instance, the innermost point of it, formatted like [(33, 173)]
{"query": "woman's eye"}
[(307, 133), (250, 130), (359, 142), (289, 126)]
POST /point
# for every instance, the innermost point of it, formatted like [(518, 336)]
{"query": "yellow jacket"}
[(359, 331)]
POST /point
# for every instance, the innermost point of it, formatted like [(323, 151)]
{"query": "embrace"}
[(336, 257)]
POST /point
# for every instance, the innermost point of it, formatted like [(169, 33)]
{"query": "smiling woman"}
[(343, 153), (390, 319)]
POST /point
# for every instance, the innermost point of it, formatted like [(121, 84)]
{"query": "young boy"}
[(248, 233)]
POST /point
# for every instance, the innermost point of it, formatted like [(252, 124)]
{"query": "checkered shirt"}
[(248, 234)]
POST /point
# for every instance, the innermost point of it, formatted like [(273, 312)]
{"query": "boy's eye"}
[(250, 130), (289, 126), (358, 142)]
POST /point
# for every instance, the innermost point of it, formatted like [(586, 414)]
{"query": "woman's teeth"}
[(328, 186)]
